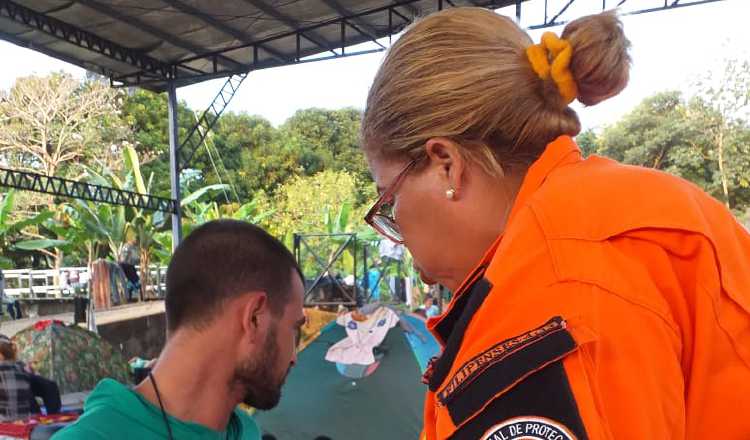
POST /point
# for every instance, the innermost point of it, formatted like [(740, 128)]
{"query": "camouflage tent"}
[(73, 357)]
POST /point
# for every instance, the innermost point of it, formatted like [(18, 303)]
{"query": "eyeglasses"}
[(381, 216)]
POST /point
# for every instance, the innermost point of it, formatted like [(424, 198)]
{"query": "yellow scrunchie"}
[(560, 51)]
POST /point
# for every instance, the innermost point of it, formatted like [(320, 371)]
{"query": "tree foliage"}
[(51, 123), (704, 138), (306, 176)]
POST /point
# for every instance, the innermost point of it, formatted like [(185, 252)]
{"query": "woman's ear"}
[(445, 155)]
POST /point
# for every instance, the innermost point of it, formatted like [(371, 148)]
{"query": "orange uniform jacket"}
[(616, 305)]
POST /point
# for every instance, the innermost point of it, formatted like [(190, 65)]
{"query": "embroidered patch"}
[(529, 428), (352, 325), (496, 353)]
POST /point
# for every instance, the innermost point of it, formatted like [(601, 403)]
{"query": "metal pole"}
[(354, 266), (366, 279), (174, 165), (518, 11)]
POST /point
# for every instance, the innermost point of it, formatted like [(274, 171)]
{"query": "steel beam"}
[(562, 11), (413, 11), (174, 165), (290, 60), (291, 23), (667, 6), (207, 120), (153, 30), (54, 54), (674, 5), (61, 187), (371, 33), (219, 25), (137, 78), (84, 39)]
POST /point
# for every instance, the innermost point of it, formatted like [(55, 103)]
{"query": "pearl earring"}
[(450, 194)]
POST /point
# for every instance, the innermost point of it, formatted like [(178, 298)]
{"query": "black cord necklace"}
[(161, 405)]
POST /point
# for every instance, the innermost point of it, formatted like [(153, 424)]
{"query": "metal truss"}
[(400, 14), (81, 38), (383, 269), (207, 120), (155, 31), (58, 186), (606, 4), (303, 248), (353, 28)]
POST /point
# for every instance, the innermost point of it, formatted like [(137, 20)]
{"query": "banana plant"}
[(143, 224), (10, 230), (197, 211)]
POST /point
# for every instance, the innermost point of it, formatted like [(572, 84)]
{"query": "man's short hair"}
[(222, 259)]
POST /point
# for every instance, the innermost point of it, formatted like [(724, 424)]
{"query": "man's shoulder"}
[(102, 422), (78, 431)]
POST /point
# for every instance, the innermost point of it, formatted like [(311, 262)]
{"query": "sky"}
[(670, 50)]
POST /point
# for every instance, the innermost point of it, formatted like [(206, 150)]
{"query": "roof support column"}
[(174, 165)]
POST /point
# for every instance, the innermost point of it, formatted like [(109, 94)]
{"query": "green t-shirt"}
[(114, 411)]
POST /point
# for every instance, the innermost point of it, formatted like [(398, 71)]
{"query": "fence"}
[(65, 282)]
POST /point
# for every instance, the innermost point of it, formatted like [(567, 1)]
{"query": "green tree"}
[(721, 109), (147, 113), (705, 139), (588, 142), (48, 124), (304, 203), (327, 140), (14, 234), (245, 151)]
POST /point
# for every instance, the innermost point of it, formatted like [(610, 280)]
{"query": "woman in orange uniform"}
[(592, 300)]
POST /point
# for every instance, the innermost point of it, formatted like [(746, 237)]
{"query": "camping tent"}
[(387, 404), (75, 358)]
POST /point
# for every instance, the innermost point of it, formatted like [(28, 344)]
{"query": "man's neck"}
[(193, 383)]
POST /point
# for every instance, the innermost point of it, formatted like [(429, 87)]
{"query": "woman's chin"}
[(425, 279)]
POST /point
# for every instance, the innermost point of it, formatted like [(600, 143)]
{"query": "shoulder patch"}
[(528, 428), (480, 363)]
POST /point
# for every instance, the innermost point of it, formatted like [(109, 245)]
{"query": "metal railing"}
[(40, 284)]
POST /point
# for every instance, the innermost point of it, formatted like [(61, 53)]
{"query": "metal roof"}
[(150, 42)]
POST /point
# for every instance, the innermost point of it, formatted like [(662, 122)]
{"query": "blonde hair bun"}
[(600, 62), (464, 74)]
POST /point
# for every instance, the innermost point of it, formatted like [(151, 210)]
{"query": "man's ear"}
[(446, 154), (254, 316)]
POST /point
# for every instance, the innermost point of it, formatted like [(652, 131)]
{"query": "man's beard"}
[(257, 377)]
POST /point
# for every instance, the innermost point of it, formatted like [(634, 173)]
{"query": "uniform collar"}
[(560, 152)]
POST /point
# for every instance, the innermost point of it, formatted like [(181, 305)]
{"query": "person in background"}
[(373, 280), (234, 316), (15, 388), (19, 387), (64, 282), (430, 308), (11, 305), (128, 259), (591, 300)]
